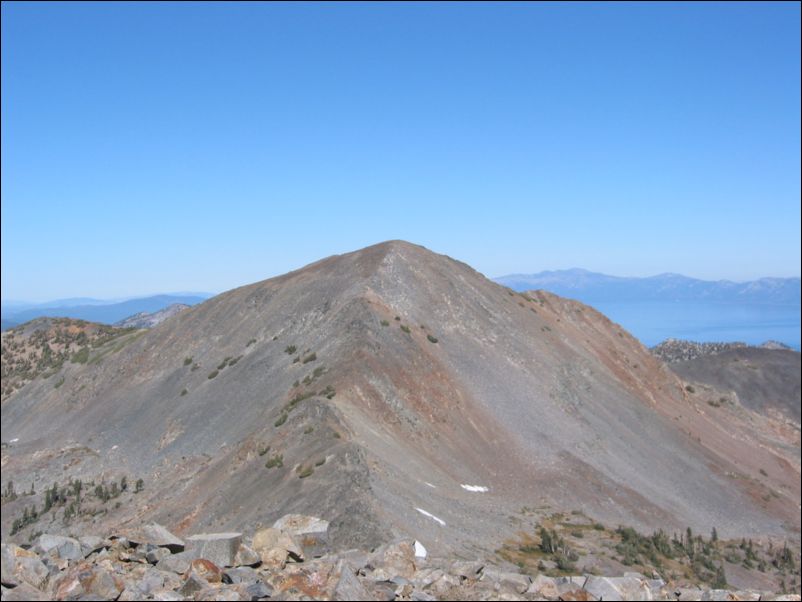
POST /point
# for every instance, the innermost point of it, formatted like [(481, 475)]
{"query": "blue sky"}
[(162, 147)]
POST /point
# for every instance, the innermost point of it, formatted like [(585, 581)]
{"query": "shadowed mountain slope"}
[(386, 389), (764, 380)]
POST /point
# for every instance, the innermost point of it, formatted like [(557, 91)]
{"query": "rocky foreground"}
[(292, 561)]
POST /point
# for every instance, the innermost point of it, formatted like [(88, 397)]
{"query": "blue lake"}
[(653, 322)]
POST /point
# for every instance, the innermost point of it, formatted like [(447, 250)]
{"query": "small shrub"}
[(764, 473), (275, 338), (320, 462), (337, 435), (139, 485), (277, 461), (281, 420), (187, 361), (398, 318), (264, 450), (578, 534), (296, 359), (251, 342), (405, 328), (304, 471), (290, 349), (308, 430), (297, 383), (431, 338), (81, 357), (234, 361), (309, 358), (385, 323), (714, 403), (58, 383), (184, 392), (213, 373), (598, 527), (690, 389), (194, 367)]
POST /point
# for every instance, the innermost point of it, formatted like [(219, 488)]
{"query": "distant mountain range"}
[(591, 287), (95, 310)]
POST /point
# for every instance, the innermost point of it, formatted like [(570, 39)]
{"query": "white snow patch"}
[(420, 551), (432, 516), (115, 447), (475, 488), (14, 440), (430, 485)]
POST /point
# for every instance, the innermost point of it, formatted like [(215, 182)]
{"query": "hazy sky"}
[(165, 147)]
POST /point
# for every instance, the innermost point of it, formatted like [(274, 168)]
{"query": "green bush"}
[(385, 323), (431, 338), (81, 356), (187, 361), (309, 358), (264, 450), (213, 373), (281, 420), (277, 461), (320, 462), (304, 471), (308, 430), (405, 328), (251, 342), (290, 349), (690, 389), (184, 392)]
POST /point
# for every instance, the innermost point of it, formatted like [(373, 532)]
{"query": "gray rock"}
[(467, 569), (166, 595), (177, 563), (131, 593), (91, 544), (24, 592), (257, 590), (220, 548), (156, 535), (513, 581), (688, 593), (7, 563), (422, 596), (311, 532), (618, 588), (85, 580), (394, 559), (543, 587), (247, 556), (719, 594), (348, 586), (192, 584), (273, 546), (243, 574), (156, 554), (58, 546), (29, 569)]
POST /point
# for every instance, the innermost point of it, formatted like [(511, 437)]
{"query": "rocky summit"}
[(396, 394), (291, 561)]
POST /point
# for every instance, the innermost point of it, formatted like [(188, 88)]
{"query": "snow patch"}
[(430, 485), (420, 551), (475, 488), (17, 439), (432, 516)]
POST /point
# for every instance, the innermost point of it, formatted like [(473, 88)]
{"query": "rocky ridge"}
[(145, 319), (678, 350), (292, 561)]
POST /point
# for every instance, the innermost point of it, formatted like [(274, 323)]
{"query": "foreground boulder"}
[(218, 566), (220, 548)]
